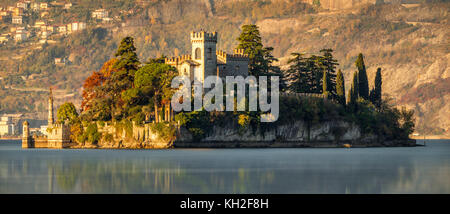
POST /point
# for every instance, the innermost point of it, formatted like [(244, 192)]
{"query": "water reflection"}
[(377, 170)]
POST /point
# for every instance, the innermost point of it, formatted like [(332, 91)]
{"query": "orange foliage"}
[(96, 79), (107, 68)]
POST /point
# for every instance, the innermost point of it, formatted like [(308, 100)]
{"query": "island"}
[(129, 104)]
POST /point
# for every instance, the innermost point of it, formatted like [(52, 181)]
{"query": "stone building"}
[(6, 126), (205, 60), (58, 135)]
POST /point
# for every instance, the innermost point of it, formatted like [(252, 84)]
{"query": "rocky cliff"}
[(331, 134), (297, 134)]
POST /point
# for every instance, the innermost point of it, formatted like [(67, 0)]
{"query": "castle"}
[(58, 134), (205, 60)]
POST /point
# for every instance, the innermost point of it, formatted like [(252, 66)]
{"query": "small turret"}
[(51, 121), (26, 139)]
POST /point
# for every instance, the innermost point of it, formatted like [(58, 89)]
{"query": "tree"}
[(297, 75), (67, 112), (363, 89), (155, 79), (340, 87), (97, 102), (260, 58), (353, 92), (93, 81), (375, 93), (325, 84), (328, 64), (122, 78)]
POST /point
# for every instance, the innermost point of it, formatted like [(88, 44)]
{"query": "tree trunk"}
[(156, 112)]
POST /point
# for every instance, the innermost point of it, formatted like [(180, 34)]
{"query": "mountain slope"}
[(409, 42)]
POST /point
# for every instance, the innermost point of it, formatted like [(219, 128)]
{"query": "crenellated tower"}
[(204, 53)]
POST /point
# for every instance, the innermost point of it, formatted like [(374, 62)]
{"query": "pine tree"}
[(328, 64), (325, 84), (363, 89), (123, 78), (260, 57), (313, 65), (298, 75), (375, 93), (340, 87)]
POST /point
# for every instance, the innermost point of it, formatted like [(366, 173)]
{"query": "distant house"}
[(67, 6), (5, 16), (6, 126), (61, 61), (45, 13), (62, 29), (43, 6), (23, 5), (39, 24), (76, 26), (100, 14), (4, 39), (20, 36), (17, 11), (107, 20), (17, 20), (48, 28)]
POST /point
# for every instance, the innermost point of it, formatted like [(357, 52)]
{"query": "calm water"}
[(372, 170)]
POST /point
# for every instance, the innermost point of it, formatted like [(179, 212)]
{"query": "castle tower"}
[(50, 109), (204, 53), (26, 140)]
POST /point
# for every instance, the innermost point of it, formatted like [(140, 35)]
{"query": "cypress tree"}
[(353, 93), (363, 89), (375, 94), (340, 87)]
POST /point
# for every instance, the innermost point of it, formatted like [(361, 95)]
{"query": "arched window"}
[(198, 53), (184, 72), (209, 53)]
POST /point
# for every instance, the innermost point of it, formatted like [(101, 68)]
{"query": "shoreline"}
[(10, 138), (431, 137)]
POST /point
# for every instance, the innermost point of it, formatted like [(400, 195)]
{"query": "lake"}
[(303, 170)]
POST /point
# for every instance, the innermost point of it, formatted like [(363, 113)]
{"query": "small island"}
[(127, 104)]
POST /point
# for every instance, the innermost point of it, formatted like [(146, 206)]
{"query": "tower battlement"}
[(236, 56), (178, 59), (203, 36)]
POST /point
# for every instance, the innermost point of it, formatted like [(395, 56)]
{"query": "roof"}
[(190, 62)]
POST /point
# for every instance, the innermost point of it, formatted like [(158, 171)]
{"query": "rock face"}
[(297, 134)]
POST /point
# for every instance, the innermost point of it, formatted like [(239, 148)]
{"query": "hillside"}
[(409, 42)]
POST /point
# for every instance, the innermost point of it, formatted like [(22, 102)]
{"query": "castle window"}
[(237, 68), (198, 53), (185, 72), (209, 53)]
